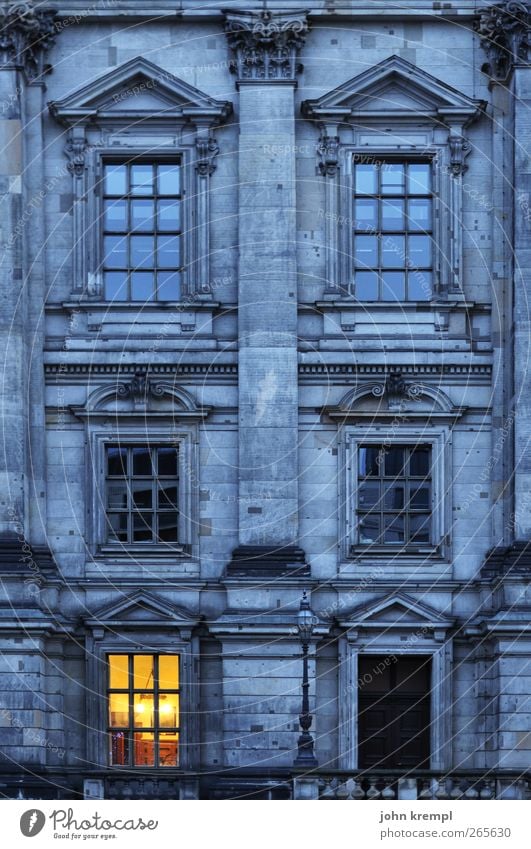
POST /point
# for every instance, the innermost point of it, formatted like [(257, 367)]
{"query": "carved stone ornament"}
[(328, 152), (459, 149), (266, 44), (25, 35), (505, 36), (76, 149), (207, 150)]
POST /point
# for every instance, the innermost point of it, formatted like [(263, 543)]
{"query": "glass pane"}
[(366, 215), (144, 750), (366, 251), (142, 179), (142, 213), (142, 527), (115, 216), (169, 180), (419, 527), (169, 672), (169, 286), (142, 286), (394, 251), (120, 748), (115, 283), (119, 710), (369, 528), (420, 285), (118, 671), (168, 530), (169, 749), (419, 496), (366, 286), (419, 182), (168, 251), (419, 461), (116, 461), (169, 215), (393, 215), (144, 710), (117, 523), (393, 528), (419, 249), (142, 251), (368, 494), (115, 251), (117, 495), (393, 286), (392, 179), (142, 495), (115, 179), (366, 180), (394, 462), (169, 710), (419, 214), (167, 461), (142, 462), (394, 497), (143, 671), (369, 461), (168, 497)]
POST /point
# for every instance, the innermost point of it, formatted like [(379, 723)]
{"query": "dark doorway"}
[(394, 712)]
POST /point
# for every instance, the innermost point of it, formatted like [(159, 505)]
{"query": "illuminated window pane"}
[(119, 710), (366, 215), (169, 215), (143, 710), (142, 212), (366, 285), (115, 216), (168, 285), (168, 710), (115, 251), (120, 748), (142, 286), (168, 672), (118, 671), (144, 749), (169, 749), (169, 180), (115, 285), (143, 672)]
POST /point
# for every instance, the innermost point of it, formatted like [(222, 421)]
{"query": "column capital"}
[(505, 32), (25, 35), (265, 45)]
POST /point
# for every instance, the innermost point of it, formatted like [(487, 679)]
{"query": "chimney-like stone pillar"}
[(265, 48)]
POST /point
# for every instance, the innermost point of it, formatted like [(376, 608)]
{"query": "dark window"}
[(142, 494), (142, 244), (394, 712), (143, 696), (394, 498), (393, 227)]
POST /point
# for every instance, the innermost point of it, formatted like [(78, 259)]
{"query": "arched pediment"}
[(142, 88), (391, 395), (141, 395), (393, 88)]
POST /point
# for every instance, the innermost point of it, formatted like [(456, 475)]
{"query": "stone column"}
[(265, 49), (25, 33)]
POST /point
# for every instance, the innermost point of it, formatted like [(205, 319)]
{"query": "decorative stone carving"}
[(207, 150), (76, 149), (266, 44), (328, 152), (25, 35), (505, 36), (459, 147)]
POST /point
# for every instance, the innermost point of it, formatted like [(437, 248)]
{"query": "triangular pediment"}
[(396, 87), (142, 88), (141, 608), (397, 610)]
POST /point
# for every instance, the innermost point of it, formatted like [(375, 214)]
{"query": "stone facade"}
[(269, 375)]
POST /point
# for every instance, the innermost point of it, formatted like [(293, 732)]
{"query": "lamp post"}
[(305, 623)]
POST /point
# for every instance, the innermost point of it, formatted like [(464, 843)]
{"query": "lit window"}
[(142, 494), (394, 498), (143, 694), (393, 231), (142, 231)]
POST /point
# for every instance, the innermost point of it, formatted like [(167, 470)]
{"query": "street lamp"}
[(305, 624)]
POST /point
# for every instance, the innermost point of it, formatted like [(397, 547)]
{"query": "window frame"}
[(154, 159), (131, 729), (438, 438)]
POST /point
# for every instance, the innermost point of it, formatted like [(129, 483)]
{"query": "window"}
[(393, 231), (143, 696), (142, 231), (394, 495), (142, 494)]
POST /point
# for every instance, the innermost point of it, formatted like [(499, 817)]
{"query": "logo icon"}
[(32, 822)]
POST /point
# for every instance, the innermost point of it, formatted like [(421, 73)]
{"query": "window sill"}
[(118, 551), (427, 552)]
